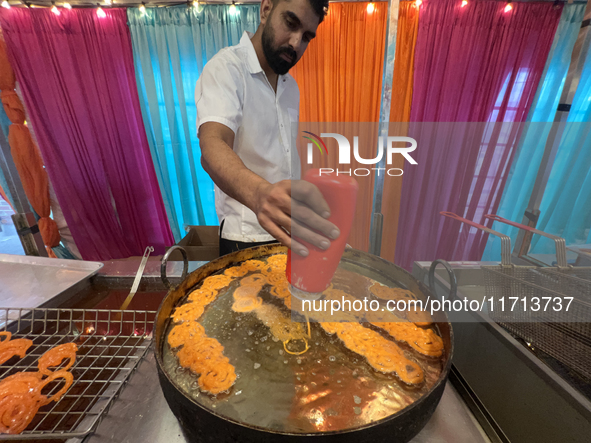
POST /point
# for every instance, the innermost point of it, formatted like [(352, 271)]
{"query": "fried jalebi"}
[(21, 393), (19, 383), (216, 282), (382, 354), (184, 333), (254, 265), (247, 304), (280, 290), (205, 357), (419, 317), (9, 348), (278, 261), (68, 378), (17, 411), (424, 341), (218, 379), (201, 355), (236, 271), (246, 292), (277, 277), (187, 312), (56, 355), (203, 296), (7, 335), (254, 280)]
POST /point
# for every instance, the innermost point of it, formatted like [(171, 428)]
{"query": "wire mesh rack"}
[(549, 308), (110, 346)]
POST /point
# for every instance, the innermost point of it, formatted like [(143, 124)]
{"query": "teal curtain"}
[(526, 163), (565, 209), (170, 47)]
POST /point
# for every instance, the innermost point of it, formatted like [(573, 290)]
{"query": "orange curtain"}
[(25, 154), (340, 80), (402, 84)]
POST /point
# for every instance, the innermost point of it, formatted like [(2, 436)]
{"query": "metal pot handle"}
[(165, 279), (453, 283)]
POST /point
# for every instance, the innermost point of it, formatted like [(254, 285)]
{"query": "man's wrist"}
[(260, 190)]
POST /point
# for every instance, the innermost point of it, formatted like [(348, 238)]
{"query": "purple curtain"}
[(77, 78), (478, 66)]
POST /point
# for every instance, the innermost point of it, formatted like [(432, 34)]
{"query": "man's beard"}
[(273, 56)]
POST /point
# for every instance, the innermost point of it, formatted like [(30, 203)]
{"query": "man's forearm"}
[(229, 173)]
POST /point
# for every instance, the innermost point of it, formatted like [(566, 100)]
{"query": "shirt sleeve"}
[(219, 94)]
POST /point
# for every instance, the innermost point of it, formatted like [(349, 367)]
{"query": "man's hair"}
[(320, 7)]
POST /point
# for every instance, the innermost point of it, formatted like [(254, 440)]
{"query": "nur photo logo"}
[(386, 146)]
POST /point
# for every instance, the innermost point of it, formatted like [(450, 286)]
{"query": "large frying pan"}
[(252, 419)]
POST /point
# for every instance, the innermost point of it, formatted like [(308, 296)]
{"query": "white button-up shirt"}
[(233, 90)]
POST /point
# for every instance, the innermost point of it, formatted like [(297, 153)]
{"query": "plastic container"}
[(313, 274)]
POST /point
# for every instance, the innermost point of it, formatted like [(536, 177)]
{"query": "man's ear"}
[(266, 6)]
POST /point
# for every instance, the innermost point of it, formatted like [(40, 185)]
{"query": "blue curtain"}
[(565, 209), (526, 162), (170, 47)]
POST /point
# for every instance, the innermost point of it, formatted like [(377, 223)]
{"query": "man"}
[(247, 109)]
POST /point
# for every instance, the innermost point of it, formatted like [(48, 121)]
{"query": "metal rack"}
[(560, 324), (110, 346)]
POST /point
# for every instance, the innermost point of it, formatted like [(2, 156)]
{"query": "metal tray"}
[(29, 282), (110, 346)]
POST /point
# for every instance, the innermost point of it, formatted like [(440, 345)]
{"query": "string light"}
[(509, 6), (464, 3), (143, 8), (54, 9), (67, 6), (5, 4), (370, 8), (99, 12), (418, 3), (233, 10)]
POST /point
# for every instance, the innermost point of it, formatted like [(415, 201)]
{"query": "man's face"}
[(287, 31)]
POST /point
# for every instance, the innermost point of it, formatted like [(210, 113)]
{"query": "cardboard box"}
[(201, 244)]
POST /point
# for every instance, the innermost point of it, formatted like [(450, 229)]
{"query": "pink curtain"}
[(478, 67), (77, 78)]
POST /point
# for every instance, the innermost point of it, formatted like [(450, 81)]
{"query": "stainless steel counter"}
[(141, 415), (30, 282)]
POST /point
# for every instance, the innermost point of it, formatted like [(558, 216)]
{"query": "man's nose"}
[(295, 42)]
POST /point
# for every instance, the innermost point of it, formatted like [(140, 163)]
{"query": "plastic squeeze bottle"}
[(310, 275)]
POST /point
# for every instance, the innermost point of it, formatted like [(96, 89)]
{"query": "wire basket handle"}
[(505, 239), (558, 241)]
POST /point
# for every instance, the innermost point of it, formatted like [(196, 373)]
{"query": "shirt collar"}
[(251, 56)]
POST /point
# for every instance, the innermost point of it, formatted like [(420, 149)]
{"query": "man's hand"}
[(293, 210)]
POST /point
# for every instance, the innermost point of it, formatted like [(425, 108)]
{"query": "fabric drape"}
[(171, 46), (472, 64), (76, 74), (340, 80), (26, 156), (528, 156), (564, 209), (402, 85)]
